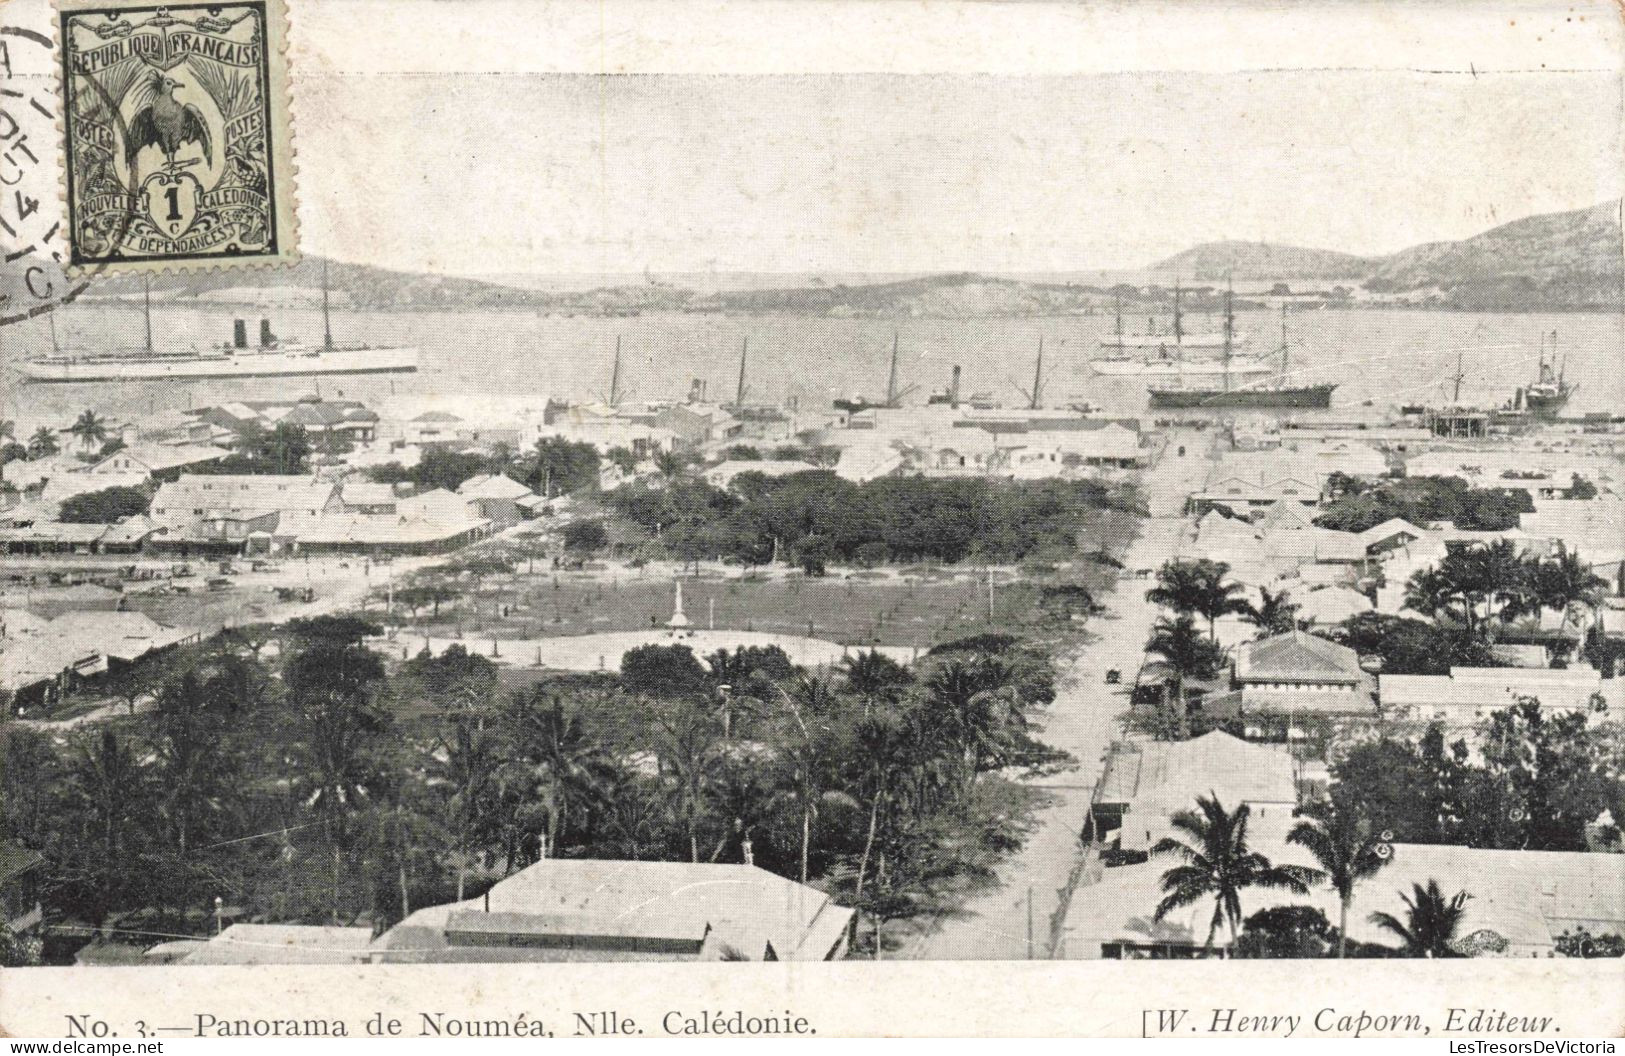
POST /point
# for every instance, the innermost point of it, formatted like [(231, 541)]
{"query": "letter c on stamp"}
[(176, 142)]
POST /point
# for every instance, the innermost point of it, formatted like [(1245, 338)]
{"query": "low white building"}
[(1469, 694)]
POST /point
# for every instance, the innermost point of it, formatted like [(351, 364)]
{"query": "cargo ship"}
[(1270, 394), (1545, 396), (270, 358), (1169, 353)]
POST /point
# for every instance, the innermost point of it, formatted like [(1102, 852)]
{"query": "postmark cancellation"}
[(176, 135)]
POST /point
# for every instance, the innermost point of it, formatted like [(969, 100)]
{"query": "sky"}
[(559, 136)]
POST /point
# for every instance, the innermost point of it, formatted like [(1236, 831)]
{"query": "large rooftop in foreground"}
[(601, 910)]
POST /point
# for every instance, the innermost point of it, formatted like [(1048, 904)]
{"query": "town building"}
[(42, 660), (249, 944), (562, 909), (363, 496), (1521, 901), (1145, 783), (1469, 694), (223, 513), (19, 889), (723, 473), (158, 462), (496, 497), (1297, 673)]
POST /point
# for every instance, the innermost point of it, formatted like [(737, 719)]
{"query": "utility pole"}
[(327, 322), (891, 380), (1030, 943), (1037, 400)]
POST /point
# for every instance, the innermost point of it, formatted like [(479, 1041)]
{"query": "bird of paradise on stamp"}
[(176, 147)]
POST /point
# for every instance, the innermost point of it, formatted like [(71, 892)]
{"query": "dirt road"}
[(1012, 919)]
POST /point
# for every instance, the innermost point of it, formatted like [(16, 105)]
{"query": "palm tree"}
[(1217, 864), (879, 740), (110, 790), (1188, 655), (43, 443), (466, 765), (1477, 585), (1275, 613), (1563, 581), (90, 428), (195, 777), (1342, 843), (670, 463), (687, 743), (1198, 587), (976, 710), (1431, 921), (873, 675), (804, 756), (556, 760)]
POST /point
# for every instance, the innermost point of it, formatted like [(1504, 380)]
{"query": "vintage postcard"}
[(811, 517), (176, 134)]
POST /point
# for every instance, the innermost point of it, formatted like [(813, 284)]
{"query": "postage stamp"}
[(176, 144)]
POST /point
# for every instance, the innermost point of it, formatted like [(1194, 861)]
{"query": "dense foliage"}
[(284, 450), (309, 783), (1412, 647), (553, 467), (820, 517), (107, 506), (1422, 500), (439, 467), (1538, 781), (1483, 586)]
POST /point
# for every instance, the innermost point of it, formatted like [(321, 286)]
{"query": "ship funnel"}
[(239, 333), (267, 339), (953, 388)]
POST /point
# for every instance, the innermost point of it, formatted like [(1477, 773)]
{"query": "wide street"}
[(1085, 718)]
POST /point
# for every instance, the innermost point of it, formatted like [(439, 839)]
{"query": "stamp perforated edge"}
[(284, 156)]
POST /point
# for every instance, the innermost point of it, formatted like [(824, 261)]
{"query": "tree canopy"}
[(108, 506), (1422, 500)]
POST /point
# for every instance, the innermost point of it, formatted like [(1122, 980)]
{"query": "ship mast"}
[(1036, 399), (1179, 329), (1284, 351), (327, 322), (1229, 327), (1117, 308), (146, 301), (739, 391), (891, 380), (615, 376), (1456, 399)]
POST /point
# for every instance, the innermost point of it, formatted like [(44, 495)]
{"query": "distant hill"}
[(365, 286), (1569, 260), (1553, 262), (1557, 262), (1264, 260), (956, 295)]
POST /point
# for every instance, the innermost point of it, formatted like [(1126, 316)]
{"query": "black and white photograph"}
[(488, 483)]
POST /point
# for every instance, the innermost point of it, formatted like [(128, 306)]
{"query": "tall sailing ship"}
[(1173, 352), (1274, 392), (269, 358)]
